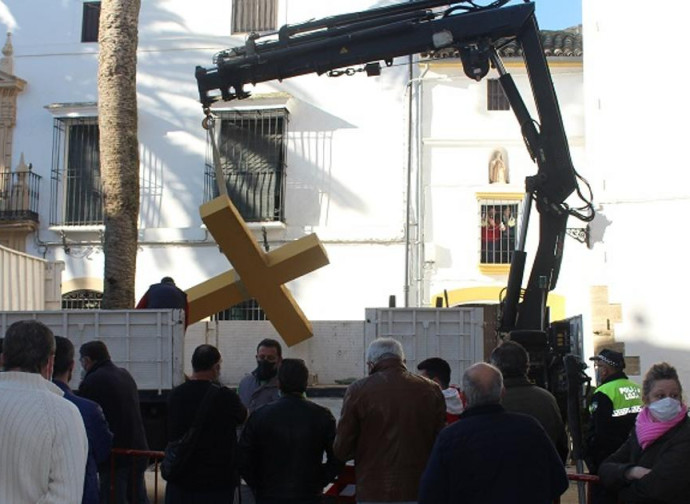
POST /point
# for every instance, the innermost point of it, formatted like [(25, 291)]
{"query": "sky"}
[(557, 14)]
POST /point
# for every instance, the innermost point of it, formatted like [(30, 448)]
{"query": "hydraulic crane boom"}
[(426, 26), (477, 33)]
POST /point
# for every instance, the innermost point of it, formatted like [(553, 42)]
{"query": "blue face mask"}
[(665, 409)]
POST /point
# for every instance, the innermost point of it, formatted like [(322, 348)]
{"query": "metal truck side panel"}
[(148, 343)]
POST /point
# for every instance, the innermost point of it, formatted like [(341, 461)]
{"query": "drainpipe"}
[(414, 144), (408, 187)]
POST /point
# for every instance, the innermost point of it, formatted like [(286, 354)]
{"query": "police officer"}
[(613, 409)]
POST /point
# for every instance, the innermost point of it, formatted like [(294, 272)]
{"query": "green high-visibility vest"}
[(625, 396)]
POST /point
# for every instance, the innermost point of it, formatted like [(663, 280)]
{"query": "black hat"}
[(613, 359)]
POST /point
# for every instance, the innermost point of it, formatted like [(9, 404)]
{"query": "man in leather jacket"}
[(388, 424), (283, 443)]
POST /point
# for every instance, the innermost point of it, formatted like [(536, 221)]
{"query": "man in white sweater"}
[(42, 435)]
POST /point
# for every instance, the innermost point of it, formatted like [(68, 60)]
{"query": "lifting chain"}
[(348, 71)]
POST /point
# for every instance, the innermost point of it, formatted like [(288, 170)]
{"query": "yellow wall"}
[(86, 283), (490, 294)]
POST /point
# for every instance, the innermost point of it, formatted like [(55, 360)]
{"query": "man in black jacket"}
[(491, 455), (523, 396), (115, 390), (283, 443), (210, 474)]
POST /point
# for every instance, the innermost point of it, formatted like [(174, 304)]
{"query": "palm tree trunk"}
[(117, 119)]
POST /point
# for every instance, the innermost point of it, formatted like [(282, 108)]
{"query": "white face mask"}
[(665, 409)]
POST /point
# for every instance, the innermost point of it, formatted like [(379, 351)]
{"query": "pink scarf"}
[(648, 429)]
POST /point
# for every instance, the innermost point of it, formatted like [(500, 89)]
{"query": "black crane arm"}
[(424, 27)]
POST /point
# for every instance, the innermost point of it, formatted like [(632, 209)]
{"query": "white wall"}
[(636, 151), (345, 174), (22, 281), (347, 156), (336, 352), (459, 136)]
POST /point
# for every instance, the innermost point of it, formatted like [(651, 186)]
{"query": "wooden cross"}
[(257, 274)]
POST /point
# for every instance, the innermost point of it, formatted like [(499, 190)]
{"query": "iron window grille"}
[(254, 15), (247, 310), (76, 190), (89, 21), (496, 98), (252, 151), (498, 226), (82, 299)]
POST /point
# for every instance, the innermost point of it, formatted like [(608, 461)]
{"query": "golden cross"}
[(257, 274)]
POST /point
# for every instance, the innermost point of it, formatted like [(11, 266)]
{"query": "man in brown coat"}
[(388, 424)]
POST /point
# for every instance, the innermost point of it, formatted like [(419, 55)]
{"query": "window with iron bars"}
[(498, 224), (496, 98), (247, 310), (89, 21), (76, 191), (82, 299), (252, 153), (254, 15)]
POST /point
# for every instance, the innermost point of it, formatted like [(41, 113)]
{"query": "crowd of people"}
[(413, 437)]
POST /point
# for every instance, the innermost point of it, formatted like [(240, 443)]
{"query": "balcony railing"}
[(19, 196)]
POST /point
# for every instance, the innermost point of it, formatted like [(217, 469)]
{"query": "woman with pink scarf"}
[(652, 466)]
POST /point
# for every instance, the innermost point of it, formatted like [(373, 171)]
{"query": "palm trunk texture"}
[(119, 149)]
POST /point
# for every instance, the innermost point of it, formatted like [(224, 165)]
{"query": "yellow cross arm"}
[(288, 262), (263, 275)]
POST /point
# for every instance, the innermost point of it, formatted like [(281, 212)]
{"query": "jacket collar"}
[(618, 375), (272, 382), (386, 364), (62, 386), (98, 365), (293, 397), (484, 409), (26, 380), (517, 381)]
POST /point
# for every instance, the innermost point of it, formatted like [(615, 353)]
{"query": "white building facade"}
[(392, 172), (636, 155), (342, 174)]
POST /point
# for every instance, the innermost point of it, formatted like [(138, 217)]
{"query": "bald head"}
[(482, 384)]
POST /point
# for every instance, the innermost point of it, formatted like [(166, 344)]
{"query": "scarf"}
[(649, 430)]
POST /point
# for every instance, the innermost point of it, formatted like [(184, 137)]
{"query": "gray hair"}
[(482, 384), (384, 348)]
